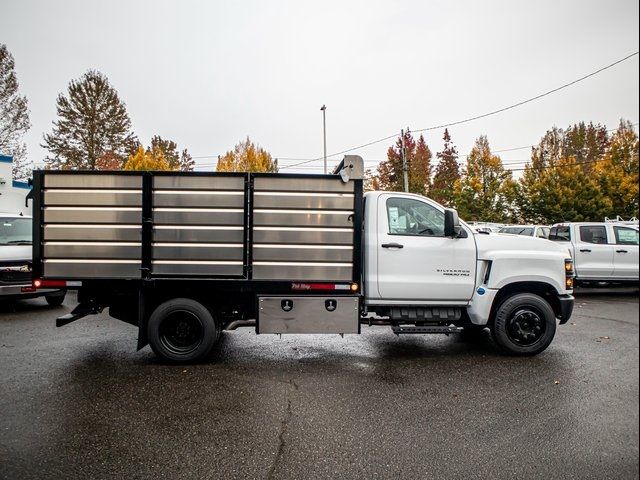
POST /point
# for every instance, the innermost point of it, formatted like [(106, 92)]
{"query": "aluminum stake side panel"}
[(199, 225), (91, 225), (303, 228)]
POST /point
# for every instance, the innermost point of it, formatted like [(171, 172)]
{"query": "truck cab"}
[(422, 265)]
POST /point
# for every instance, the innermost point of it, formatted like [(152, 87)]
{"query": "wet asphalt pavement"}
[(80, 402)]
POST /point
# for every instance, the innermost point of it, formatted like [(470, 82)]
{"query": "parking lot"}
[(80, 402)]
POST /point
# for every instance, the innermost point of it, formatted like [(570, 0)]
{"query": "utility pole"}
[(324, 135), (405, 170)]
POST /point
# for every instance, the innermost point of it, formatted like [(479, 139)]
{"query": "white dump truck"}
[(186, 255)]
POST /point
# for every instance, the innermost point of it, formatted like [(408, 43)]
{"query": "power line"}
[(493, 112), (377, 161)]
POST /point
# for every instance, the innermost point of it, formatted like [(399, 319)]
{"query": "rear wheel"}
[(182, 331), (56, 299), (525, 324)]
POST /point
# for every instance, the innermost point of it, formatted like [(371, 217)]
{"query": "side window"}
[(407, 216), (626, 236), (543, 232), (560, 234), (594, 234)]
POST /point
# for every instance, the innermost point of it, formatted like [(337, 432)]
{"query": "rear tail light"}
[(41, 283), (311, 287)]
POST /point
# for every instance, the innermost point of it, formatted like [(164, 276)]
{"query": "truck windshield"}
[(560, 234), (526, 231), (15, 231)]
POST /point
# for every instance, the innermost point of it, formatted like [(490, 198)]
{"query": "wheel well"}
[(544, 290)]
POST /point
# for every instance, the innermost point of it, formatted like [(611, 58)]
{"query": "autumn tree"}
[(486, 190), (447, 173), (177, 160), (420, 168), (617, 172), (418, 157), (14, 117), (390, 171), (147, 160), (586, 143), (246, 156), (561, 181), (110, 161), (370, 181), (92, 120)]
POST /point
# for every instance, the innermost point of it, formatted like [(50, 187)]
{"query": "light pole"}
[(324, 135)]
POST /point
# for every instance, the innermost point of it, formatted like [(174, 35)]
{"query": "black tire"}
[(56, 299), (525, 324), (182, 331)]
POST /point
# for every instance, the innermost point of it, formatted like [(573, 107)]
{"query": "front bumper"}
[(566, 308)]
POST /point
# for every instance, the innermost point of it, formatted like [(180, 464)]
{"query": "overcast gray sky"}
[(206, 74)]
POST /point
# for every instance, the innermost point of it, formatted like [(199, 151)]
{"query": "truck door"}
[(625, 256), (594, 253), (416, 262)]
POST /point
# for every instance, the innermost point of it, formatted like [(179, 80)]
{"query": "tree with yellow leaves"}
[(246, 156), (617, 172), (486, 191), (147, 160), (563, 181)]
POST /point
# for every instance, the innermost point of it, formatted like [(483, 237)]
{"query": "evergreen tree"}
[(169, 150), (447, 173), (247, 157), (14, 117), (92, 120), (486, 189), (187, 163)]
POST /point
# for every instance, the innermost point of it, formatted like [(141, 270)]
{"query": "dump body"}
[(167, 225)]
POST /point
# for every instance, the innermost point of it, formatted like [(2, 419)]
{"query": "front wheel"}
[(182, 330), (525, 324)]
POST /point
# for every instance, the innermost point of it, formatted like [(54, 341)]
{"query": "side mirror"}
[(451, 223)]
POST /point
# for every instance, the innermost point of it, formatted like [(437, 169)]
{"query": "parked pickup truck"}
[(184, 256), (601, 251), (15, 262)]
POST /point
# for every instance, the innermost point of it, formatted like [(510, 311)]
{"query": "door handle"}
[(585, 250), (392, 245), (621, 251)]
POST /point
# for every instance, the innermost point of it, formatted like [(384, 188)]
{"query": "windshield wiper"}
[(19, 242)]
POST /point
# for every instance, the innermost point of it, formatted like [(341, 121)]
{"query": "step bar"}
[(422, 329)]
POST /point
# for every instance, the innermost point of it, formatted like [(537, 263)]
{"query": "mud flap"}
[(143, 341)]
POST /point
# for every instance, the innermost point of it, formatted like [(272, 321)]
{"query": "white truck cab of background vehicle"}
[(602, 251)]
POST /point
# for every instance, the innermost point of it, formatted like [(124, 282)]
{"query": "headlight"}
[(569, 273)]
